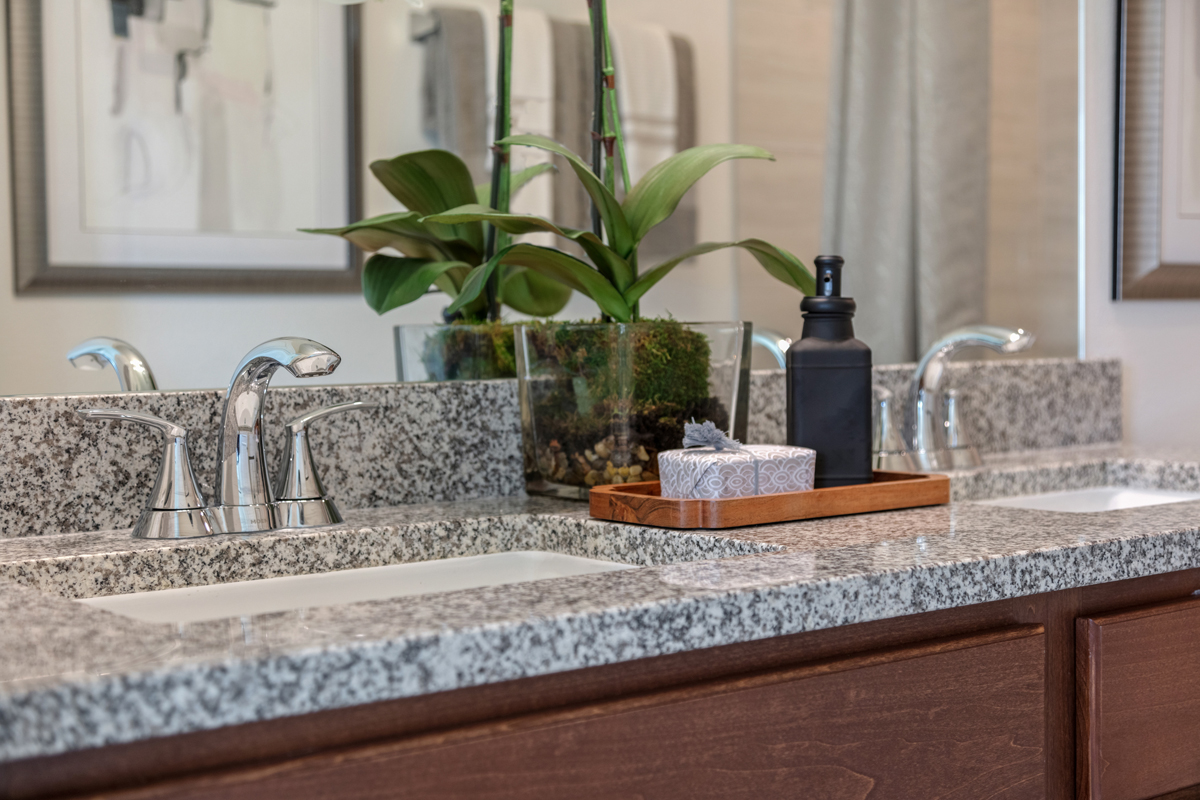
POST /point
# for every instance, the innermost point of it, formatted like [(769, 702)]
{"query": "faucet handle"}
[(887, 445), (175, 508), (301, 500), (960, 452), (301, 423)]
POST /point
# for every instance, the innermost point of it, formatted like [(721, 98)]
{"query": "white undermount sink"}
[(270, 595), (1100, 498)]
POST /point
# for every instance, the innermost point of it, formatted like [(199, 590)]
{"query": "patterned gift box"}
[(709, 473)]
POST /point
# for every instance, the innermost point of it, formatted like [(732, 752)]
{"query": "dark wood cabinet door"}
[(960, 718), (1138, 696)]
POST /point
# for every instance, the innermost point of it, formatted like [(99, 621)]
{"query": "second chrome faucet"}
[(245, 501)]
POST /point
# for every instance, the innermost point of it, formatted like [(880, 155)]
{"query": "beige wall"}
[(782, 52), (1155, 339), (781, 67), (194, 341), (1032, 275)]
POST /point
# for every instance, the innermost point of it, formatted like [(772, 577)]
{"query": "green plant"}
[(613, 279), (430, 182)]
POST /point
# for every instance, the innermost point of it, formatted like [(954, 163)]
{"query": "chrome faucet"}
[(244, 500), (774, 343), (133, 373), (932, 445)]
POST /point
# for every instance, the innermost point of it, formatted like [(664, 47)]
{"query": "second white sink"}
[(270, 595), (1101, 498)]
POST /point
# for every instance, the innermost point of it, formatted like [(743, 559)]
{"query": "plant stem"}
[(594, 14), (614, 115), (501, 172), (606, 89), (637, 307)]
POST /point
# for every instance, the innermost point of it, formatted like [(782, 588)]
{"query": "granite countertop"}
[(74, 677)]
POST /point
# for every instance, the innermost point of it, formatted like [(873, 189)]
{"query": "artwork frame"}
[(1149, 262), (34, 274)]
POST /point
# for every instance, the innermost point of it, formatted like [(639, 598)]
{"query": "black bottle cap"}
[(829, 275)]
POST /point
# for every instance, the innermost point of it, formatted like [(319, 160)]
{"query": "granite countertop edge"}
[(806, 576)]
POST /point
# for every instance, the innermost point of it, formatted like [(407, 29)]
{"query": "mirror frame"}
[(1138, 270), (33, 274)]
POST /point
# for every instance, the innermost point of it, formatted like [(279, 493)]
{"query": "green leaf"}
[(475, 282), (390, 282), (615, 223), (781, 264), (531, 293), (430, 181), (451, 280), (555, 264), (777, 261), (656, 195), (509, 223), (611, 265), (483, 191), (402, 231), (615, 268)]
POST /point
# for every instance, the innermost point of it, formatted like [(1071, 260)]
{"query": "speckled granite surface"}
[(448, 441), (1017, 404), (426, 443), (74, 677)]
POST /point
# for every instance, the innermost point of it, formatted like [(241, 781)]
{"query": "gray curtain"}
[(907, 166)]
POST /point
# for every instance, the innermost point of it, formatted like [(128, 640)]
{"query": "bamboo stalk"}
[(501, 172), (597, 100), (610, 81)]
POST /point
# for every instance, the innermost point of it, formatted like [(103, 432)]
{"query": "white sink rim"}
[(340, 587), (1093, 500)]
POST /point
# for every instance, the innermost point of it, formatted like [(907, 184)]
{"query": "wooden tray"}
[(640, 503)]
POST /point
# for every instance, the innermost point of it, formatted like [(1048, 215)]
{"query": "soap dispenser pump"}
[(829, 384)]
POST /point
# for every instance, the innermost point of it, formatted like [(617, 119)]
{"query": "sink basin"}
[(246, 598), (1101, 498)]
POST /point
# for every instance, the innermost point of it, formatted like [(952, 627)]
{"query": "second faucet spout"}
[(244, 500)]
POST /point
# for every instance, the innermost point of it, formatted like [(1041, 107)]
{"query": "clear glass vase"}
[(455, 352), (600, 401)]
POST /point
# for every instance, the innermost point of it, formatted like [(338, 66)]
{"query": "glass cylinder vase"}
[(458, 352), (600, 401)]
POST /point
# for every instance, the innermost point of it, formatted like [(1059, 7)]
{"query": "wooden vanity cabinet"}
[(963, 703), (954, 718), (1138, 718)]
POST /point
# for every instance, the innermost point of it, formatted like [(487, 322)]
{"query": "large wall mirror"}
[(163, 152)]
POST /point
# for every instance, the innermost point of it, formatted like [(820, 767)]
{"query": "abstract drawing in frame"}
[(176, 145), (1157, 247)]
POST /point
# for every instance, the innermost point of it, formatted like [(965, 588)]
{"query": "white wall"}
[(1158, 341), (195, 341)]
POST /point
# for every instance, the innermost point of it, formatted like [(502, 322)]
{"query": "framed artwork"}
[(178, 145), (1157, 247)]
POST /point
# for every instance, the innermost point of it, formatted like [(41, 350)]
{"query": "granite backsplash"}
[(449, 441), (1026, 404)]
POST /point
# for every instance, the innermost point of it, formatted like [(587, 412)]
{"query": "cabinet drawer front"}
[(1138, 681), (960, 718)]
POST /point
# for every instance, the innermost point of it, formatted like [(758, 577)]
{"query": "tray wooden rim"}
[(641, 504)]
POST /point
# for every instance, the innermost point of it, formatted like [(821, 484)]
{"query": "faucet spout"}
[(927, 380), (244, 497), (133, 373)]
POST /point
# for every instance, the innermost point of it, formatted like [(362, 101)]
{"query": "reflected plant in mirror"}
[(593, 419)]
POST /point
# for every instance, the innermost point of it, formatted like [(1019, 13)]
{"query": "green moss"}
[(471, 351), (660, 362), (671, 365), (594, 390)]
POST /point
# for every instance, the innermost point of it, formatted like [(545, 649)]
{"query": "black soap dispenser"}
[(829, 384)]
